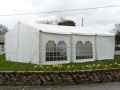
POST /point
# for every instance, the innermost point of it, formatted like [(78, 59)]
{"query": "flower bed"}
[(78, 66), (37, 78)]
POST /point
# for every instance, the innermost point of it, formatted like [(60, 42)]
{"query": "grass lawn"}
[(16, 66)]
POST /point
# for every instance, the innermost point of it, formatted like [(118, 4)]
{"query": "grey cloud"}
[(98, 17)]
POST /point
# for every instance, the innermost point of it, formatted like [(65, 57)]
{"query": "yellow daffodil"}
[(72, 65), (40, 65), (47, 66), (53, 65), (68, 66), (93, 64), (116, 63), (106, 65), (35, 66), (98, 65), (59, 66), (87, 65)]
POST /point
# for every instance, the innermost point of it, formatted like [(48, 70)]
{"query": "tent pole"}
[(71, 48), (95, 47), (18, 41), (114, 46), (40, 47)]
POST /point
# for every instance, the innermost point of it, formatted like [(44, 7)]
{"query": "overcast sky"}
[(102, 18)]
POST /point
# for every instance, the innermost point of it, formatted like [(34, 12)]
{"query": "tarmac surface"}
[(100, 86), (117, 52)]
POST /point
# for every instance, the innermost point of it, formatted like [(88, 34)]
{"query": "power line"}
[(63, 10), (99, 21)]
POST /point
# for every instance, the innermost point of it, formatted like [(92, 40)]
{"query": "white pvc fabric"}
[(83, 39), (105, 47), (42, 44), (22, 44)]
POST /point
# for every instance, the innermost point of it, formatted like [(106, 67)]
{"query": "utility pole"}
[(82, 22)]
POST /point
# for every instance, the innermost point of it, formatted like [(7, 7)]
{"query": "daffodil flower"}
[(35, 66)]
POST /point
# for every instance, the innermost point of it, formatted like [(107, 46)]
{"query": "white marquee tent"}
[(49, 44)]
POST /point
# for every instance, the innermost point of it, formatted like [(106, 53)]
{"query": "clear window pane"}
[(56, 53), (84, 51)]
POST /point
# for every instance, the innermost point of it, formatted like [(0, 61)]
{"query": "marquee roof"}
[(69, 29)]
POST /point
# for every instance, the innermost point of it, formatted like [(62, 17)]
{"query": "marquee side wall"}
[(22, 44), (105, 47)]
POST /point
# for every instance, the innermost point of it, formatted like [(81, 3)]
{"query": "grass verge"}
[(17, 66)]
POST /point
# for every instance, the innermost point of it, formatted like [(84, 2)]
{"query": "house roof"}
[(118, 33)]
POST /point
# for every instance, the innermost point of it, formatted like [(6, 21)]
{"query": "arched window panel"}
[(88, 50), (84, 51), (61, 50), (50, 50), (79, 50), (56, 52)]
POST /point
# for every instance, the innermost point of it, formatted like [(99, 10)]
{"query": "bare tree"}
[(116, 30), (58, 21), (51, 22), (3, 29)]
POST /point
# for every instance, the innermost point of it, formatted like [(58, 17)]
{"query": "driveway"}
[(105, 86), (117, 52)]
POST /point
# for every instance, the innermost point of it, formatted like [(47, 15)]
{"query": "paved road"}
[(117, 52), (105, 86)]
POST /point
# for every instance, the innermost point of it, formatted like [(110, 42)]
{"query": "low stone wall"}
[(52, 78)]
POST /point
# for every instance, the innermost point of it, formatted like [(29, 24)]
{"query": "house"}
[(2, 40), (51, 44)]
